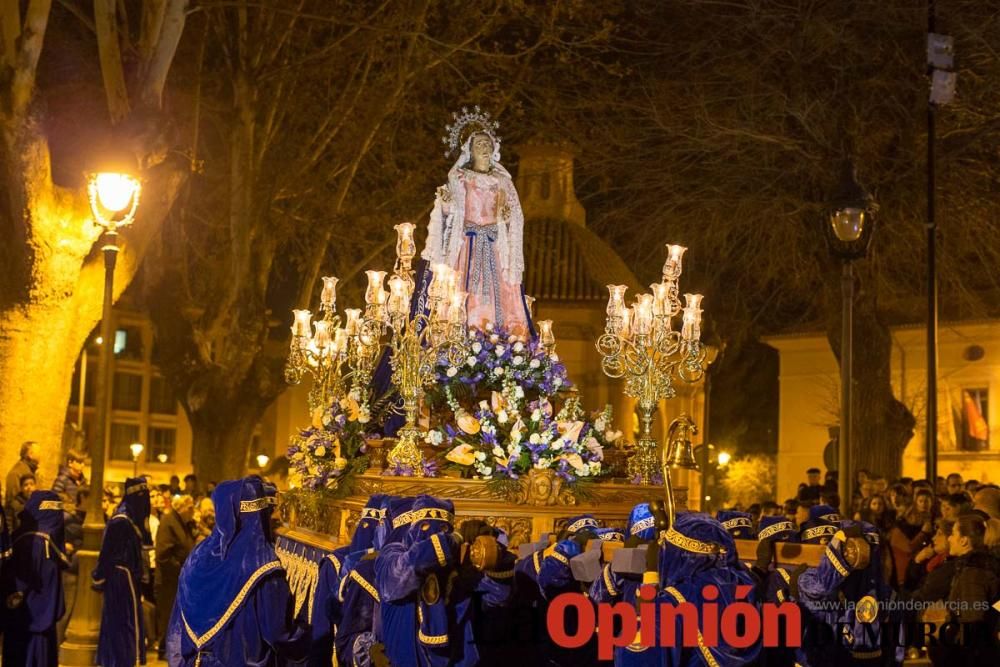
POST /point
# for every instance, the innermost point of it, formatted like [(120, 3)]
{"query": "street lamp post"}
[(849, 231), (114, 198), (136, 448)]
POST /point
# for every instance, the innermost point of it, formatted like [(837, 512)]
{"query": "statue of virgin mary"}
[(476, 226)]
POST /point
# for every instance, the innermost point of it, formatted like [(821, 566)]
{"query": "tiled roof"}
[(568, 262)]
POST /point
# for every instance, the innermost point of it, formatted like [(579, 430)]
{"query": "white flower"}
[(489, 428), (499, 349), (557, 382), (498, 371), (534, 363), (599, 424), (514, 449), (595, 467), (554, 357), (536, 415), (535, 439), (518, 346), (546, 436), (364, 416), (477, 347), (611, 436), (543, 463), (494, 338), (498, 452), (518, 360), (584, 470), (320, 451), (484, 406), (471, 361), (452, 371), (435, 438), (558, 444), (518, 391), (502, 417), (489, 326), (480, 456)]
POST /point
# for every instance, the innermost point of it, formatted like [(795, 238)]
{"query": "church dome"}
[(565, 261)]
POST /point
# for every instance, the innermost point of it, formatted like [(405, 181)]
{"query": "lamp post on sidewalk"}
[(114, 198), (849, 231)]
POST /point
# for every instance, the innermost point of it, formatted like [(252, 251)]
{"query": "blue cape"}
[(135, 505), (371, 518), (778, 528), (231, 561)]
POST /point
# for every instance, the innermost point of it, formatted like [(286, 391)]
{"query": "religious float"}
[(444, 384)]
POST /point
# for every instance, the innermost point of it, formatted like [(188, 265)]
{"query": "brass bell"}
[(679, 452)]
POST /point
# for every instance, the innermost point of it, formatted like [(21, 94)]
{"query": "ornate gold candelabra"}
[(417, 341), (320, 349), (640, 344)]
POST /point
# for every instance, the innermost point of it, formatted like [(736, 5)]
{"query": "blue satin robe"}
[(325, 612), (612, 587), (359, 604), (832, 633), (690, 590), (34, 574), (119, 575), (261, 632), (417, 631)]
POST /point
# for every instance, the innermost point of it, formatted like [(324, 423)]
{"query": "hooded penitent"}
[(739, 524), (696, 551), (361, 624), (821, 525), (325, 611), (32, 583), (424, 621), (777, 528), (233, 596), (121, 568)]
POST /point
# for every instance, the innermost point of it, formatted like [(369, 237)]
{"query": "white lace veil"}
[(446, 233)]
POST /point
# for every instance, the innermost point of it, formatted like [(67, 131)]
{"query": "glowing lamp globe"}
[(724, 458), (115, 191), (262, 460), (136, 448), (848, 223)]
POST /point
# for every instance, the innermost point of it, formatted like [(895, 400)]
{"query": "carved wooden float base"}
[(539, 505)]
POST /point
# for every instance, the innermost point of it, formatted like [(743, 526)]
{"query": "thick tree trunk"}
[(221, 440), (882, 424), (38, 346)]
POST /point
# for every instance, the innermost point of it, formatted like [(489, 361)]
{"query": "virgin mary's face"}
[(482, 148)]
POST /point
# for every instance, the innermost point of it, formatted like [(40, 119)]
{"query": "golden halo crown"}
[(467, 123)]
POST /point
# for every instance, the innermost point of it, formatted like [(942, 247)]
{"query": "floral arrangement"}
[(495, 359), (508, 435), (321, 456)]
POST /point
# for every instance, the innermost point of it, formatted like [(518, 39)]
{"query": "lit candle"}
[(301, 326), (405, 247), (545, 335), (397, 296), (642, 315), (373, 294), (529, 302), (322, 336), (353, 323), (439, 281), (328, 297), (661, 299), (456, 309), (340, 340), (691, 324), (672, 267)]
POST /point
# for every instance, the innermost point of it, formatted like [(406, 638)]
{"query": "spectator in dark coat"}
[(976, 580), (174, 541), (25, 487), (27, 464), (70, 479)]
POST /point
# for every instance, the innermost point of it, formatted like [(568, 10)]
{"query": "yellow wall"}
[(809, 396)]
